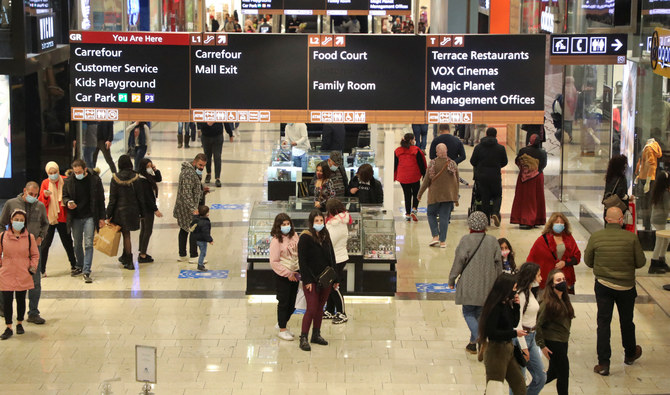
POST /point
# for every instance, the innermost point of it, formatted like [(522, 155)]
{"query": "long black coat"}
[(487, 159), (126, 200)]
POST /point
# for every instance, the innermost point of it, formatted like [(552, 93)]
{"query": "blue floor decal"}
[(217, 206), (199, 274), (434, 288)]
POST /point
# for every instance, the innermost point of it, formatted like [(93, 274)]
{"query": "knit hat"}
[(50, 165), (477, 221), (336, 157)]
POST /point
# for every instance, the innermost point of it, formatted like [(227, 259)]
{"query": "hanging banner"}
[(660, 52)]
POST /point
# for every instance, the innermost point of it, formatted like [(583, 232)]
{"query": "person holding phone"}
[(19, 257), (315, 254)]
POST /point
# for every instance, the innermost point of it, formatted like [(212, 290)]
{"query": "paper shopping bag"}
[(300, 301), (107, 239)]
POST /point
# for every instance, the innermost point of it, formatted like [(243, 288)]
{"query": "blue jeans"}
[(35, 293), (535, 366), (88, 153), (471, 315), (202, 246), (420, 135), (140, 151), (442, 210), (83, 230)]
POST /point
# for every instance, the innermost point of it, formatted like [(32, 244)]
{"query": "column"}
[(451, 16)]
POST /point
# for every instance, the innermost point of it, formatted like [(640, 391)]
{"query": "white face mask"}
[(150, 171)]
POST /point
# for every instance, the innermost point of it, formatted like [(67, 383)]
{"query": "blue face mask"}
[(286, 229), (54, 177), (30, 199), (198, 172), (318, 227), (80, 176), (558, 228), (18, 225)]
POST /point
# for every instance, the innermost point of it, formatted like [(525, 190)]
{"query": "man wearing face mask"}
[(614, 254), (84, 196), (37, 224), (339, 175), (190, 195), (295, 136)]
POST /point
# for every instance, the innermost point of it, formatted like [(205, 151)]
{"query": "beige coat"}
[(444, 188)]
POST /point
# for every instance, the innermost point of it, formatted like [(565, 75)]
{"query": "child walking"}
[(202, 229)]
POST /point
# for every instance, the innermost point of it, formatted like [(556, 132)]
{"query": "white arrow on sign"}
[(617, 44), (339, 40), (458, 40)]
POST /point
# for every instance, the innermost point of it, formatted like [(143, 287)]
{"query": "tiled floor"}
[(216, 340)]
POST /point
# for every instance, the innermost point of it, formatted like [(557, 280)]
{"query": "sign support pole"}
[(387, 182)]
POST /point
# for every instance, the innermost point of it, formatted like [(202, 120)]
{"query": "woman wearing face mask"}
[(337, 223), (321, 186), (556, 249), (509, 266), (528, 282), (500, 315), (51, 195), (19, 256), (315, 253), (284, 262), (552, 334), (149, 177), (408, 169)]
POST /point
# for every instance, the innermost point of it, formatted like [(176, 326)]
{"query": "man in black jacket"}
[(488, 158), (455, 150), (105, 136), (84, 196), (333, 137), (212, 144)]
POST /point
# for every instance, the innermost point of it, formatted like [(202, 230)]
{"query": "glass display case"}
[(363, 156), (281, 156), (260, 224), (313, 159), (379, 241), (284, 173)]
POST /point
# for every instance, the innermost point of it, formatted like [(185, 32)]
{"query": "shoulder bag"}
[(473, 254), (611, 199)]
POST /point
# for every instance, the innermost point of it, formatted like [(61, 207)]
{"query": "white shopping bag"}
[(300, 301)]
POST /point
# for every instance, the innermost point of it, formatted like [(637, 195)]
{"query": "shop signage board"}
[(574, 49), (660, 52), (307, 78), (327, 7), (129, 76), (485, 78)]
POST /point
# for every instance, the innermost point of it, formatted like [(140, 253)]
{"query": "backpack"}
[(2, 243)]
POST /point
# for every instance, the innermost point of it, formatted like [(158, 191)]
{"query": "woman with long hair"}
[(139, 141), (126, 205), (527, 284), (615, 179), (315, 254), (51, 195), (442, 185), (528, 209), (660, 208), (19, 257), (509, 266), (556, 248), (500, 316), (408, 169), (337, 223), (321, 186), (150, 176), (284, 262), (553, 329)]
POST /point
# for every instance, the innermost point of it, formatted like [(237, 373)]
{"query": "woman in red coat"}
[(51, 194), (409, 168), (18, 262), (556, 249)]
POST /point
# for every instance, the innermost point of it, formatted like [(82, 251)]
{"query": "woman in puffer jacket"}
[(337, 223)]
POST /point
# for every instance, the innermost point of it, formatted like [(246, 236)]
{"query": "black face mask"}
[(563, 286)]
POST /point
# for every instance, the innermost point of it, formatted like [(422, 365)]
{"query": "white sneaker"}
[(287, 330), (340, 318), (195, 260), (286, 335), (182, 259)]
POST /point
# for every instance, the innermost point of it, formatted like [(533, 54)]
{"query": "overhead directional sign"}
[(588, 48)]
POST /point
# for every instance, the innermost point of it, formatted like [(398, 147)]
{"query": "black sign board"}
[(262, 6), (335, 7), (468, 73), (390, 7), (363, 72), (588, 48), (332, 7), (43, 32), (251, 71), (141, 72)]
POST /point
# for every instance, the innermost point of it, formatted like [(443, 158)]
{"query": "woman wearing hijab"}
[(126, 205), (51, 195), (528, 209), (442, 184), (149, 177)]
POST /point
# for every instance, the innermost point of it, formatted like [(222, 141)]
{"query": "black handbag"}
[(327, 277), (518, 355)]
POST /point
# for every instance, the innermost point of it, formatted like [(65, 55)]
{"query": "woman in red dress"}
[(556, 249), (528, 209)]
